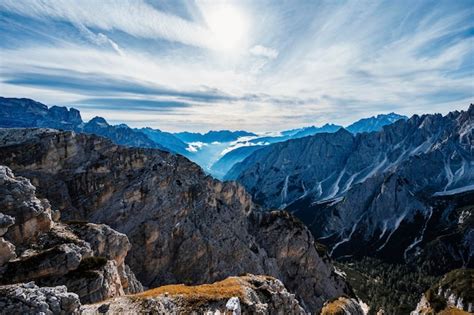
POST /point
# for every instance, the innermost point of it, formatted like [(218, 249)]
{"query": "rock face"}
[(454, 292), (374, 193), (247, 294), (87, 258), (28, 298), (342, 306), (184, 226)]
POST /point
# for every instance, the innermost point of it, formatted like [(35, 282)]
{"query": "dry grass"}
[(334, 308), (453, 311), (224, 289)]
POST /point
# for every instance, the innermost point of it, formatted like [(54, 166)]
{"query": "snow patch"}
[(418, 239), (335, 186), (344, 240), (398, 221), (454, 191)]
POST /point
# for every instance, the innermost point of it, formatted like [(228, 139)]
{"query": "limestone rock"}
[(372, 193), (342, 306), (7, 251), (247, 294), (32, 216), (184, 226), (87, 258), (28, 298), (453, 294), (55, 261), (5, 222)]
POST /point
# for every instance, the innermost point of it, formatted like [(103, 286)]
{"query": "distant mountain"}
[(119, 134), (309, 131), (166, 139), (213, 136), (225, 163), (23, 112), (383, 193), (363, 125), (374, 123)]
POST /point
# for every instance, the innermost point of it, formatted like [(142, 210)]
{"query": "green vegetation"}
[(392, 287)]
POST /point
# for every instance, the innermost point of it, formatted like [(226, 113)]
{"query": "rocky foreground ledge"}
[(247, 294)]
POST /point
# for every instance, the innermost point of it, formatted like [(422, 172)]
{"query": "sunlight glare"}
[(228, 26)]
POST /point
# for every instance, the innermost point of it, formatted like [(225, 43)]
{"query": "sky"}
[(252, 65)]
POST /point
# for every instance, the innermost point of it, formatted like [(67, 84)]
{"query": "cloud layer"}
[(301, 63)]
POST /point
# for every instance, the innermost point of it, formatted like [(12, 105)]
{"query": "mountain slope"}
[(184, 226), (374, 123), (377, 188), (225, 163), (166, 139)]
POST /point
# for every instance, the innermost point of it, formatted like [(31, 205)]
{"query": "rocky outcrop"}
[(87, 258), (372, 193), (247, 294), (342, 306), (453, 294), (184, 226), (28, 298)]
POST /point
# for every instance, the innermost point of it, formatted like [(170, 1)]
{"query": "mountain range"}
[(183, 226), (404, 193), (209, 150), (310, 220)]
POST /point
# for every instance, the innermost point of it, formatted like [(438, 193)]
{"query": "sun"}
[(228, 27)]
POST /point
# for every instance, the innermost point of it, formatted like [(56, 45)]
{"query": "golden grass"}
[(334, 308), (218, 290), (453, 311)]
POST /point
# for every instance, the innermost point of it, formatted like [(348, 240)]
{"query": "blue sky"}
[(254, 65)]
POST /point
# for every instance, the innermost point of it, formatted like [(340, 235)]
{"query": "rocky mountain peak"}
[(376, 187), (183, 226)]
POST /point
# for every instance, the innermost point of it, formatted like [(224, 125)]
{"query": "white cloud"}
[(134, 17), (263, 51), (322, 62)]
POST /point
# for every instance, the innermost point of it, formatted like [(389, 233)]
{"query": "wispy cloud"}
[(304, 62), (259, 50), (136, 18)]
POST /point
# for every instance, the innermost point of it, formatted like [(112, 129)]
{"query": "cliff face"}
[(184, 227), (87, 258), (373, 193)]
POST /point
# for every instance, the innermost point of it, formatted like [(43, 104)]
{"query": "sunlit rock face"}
[(374, 193), (184, 226), (87, 258)]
